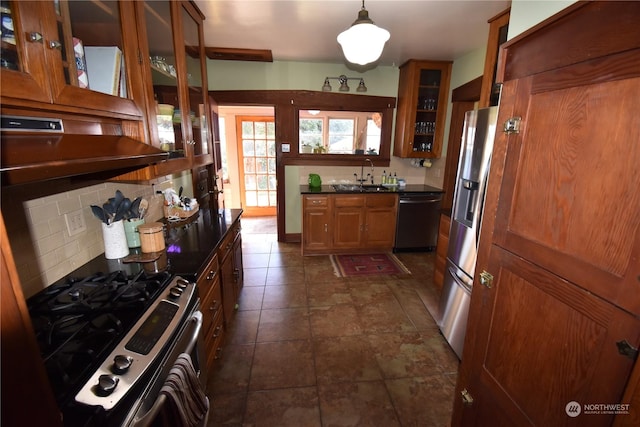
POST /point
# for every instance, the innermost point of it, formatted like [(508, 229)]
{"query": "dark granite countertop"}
[(187, 247), (408, 189)]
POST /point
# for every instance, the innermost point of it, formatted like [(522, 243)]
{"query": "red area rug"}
[(367, 264)]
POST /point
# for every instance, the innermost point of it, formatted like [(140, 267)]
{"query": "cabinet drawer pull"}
[(217, 330), (211, 275), (218, 353), (214, 305)]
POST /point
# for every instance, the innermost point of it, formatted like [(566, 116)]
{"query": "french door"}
[(257, 164)]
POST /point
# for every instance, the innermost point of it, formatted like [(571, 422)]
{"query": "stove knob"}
[(175, 292), (182, 283), (121, 364), (106, 384)]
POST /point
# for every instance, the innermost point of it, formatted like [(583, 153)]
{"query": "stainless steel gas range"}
[(109, 341)]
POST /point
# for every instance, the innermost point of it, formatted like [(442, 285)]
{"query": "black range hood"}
[(39, 156)]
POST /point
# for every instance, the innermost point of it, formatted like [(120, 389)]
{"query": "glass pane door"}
[(197, 112), (257, 164), (90, 38), (164, 76)]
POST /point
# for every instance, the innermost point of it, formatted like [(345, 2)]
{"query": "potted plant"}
[(307, 148)]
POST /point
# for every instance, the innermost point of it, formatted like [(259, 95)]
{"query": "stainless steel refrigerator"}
[(471, 183)]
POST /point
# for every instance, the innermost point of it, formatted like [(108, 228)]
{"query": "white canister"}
[(115, 240)]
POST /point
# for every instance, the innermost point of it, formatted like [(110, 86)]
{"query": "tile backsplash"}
[(57, 251)]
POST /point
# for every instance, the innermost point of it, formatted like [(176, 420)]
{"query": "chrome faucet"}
[(362, 178)]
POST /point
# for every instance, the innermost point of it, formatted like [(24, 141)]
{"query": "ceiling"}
[(306, 30)]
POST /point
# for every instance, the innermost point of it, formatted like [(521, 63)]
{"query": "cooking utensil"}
[(134, 210), (109, 212), (98, 212), (142, 209), (122, 211)]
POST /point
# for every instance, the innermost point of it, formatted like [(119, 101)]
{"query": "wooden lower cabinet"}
[(316, 220), (348, 222), (231, 272), (219, 286)]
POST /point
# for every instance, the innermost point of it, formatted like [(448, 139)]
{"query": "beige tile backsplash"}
[(57, 252)]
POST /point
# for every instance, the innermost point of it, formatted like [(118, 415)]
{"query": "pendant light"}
[(363, 42)]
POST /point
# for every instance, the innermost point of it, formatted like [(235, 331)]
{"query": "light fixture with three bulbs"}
[(344, 87)]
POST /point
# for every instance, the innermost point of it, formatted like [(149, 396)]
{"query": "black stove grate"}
[(79, 321)]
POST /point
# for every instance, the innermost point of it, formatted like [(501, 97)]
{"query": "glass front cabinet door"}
[(422, 108), (177, 113), (75, 54)]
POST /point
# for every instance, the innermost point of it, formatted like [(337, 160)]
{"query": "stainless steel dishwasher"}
[(417, 222)]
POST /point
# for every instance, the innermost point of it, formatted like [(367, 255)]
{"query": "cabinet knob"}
[(55, 44), (35, 37), (211, 275)]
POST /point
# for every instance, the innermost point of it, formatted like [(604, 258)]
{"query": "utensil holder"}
[(151, 237), (115, 240), (131, 230)]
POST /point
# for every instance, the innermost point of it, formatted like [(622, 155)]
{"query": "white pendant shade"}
[(363, 42)]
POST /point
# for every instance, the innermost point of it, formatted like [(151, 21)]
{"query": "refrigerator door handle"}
[(460, 280)]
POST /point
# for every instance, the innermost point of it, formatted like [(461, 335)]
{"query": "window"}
[(339, 132), (341, 136)]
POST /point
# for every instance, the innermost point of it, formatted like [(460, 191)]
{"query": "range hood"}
[(30, 155)]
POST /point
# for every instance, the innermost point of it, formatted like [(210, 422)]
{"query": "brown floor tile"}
[(412, 304), (250, 298), (402, 355), (356, 404), (285, 276), (282, 364), (250, 247), (370, 293), (231, 373), (244, 328), (422, 401), (319, 272), (255, 276), (284, 324), (293, 407), (334, 321), (384, 317), (284, 296), (440, 352), (285, 259), (344, 359), (251, 260), (328, 293), (292, 248), (226, 409)]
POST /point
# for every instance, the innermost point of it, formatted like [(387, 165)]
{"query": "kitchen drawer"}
[(214, 342), (382, 201), (315, 201), (211, 307), (227, 242), (348, 201)]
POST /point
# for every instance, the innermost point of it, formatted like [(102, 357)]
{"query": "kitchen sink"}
[(356, 188)]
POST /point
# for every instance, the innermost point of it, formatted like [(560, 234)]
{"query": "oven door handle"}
[(148, 418), (197, 318)]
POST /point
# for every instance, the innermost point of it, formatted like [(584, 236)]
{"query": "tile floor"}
[(309, 349)]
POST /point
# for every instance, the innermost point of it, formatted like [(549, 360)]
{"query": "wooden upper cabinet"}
[(76, 55), (423, 93), (174, 69), (498, 28)]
